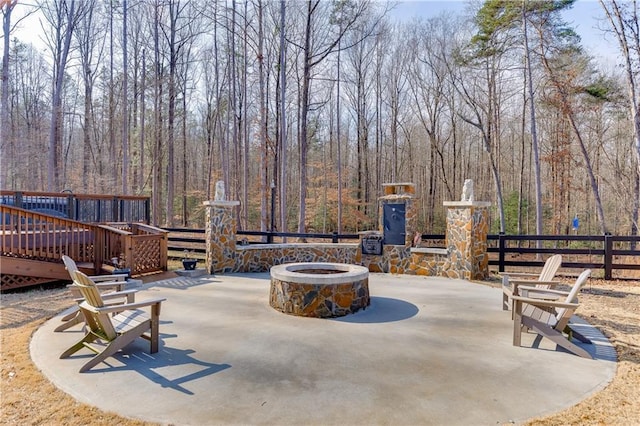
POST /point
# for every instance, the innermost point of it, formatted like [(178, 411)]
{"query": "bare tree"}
[(563, 76), (623, 21), (62, 16), (89, 35), (158, 86), (360, 59), (319, 41), (430, 85), (125, 101), (6, 7), (282, 152)]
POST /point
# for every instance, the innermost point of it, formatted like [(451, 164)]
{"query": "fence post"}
[(608, 255), (334, 239), (502, 242), (122, 217), (115, 211), (147, 210), (98, 254), (17, 200), (70, 207)]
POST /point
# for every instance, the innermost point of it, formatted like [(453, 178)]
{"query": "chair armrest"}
[(533, 289), (521, 275), (123, 307), (545, 303), (112, 277), (536, 282), (115, 285), (129, 294), (115, 294), (517, 284)]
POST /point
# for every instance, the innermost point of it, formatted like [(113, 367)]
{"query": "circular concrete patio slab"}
[(427, 351)]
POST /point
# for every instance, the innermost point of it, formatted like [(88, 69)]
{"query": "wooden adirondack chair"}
[(117, 331), (544, 280), (549, 318), (112, 286)]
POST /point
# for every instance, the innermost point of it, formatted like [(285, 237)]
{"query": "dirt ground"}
[(28, 398)]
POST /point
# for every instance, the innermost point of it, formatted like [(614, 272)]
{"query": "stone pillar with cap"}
[(466, 239), (396, 256), (220, 232)]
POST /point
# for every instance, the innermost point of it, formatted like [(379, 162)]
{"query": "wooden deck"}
[(32, 245)]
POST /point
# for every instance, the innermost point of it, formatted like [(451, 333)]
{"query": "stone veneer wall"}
[(261, 257), (430, 263), (466, 255)]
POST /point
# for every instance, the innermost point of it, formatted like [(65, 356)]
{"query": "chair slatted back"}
[(557, 318), (572, 297), (550, 268), (72, 268), (70, 264), (99, 323)]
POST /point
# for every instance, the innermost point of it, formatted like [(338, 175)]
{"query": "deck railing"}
[(31, 235), (143, 247), (90, 208)]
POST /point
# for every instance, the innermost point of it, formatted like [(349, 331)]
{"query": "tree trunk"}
[(304, 112), (534, 131), (264, 162), (283, 121), (125, 94), (629, 39), (5, 125), (55, 135)]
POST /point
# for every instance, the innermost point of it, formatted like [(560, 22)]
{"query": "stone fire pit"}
[(322, 290)]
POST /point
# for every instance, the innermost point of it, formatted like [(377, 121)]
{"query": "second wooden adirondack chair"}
[(113, 332), (549, 318), (511, 280), (112, 287)]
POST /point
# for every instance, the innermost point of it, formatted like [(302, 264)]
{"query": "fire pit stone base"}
[(322, 290)]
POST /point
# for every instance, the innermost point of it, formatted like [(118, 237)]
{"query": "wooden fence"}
[(608, 253)]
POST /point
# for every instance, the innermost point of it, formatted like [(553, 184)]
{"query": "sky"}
[(584, 16)]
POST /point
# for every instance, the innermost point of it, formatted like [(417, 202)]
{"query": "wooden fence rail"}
[(605, 252)]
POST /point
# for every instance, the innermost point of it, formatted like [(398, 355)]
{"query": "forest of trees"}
[(320, 102)]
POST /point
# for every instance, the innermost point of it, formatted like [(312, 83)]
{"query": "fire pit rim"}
[(348, 273)]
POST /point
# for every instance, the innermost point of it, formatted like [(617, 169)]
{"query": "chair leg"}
[(88, 338), (72, 313), (70, 323), (155, 328), (576, 334), (555, 336), (115, 345), (516, 313)]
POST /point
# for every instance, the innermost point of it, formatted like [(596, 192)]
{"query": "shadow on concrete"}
[(182, 283), (171, 368), (382, 309)]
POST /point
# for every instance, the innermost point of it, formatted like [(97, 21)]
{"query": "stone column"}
[(466, 240), (396, 258), (220, 235)]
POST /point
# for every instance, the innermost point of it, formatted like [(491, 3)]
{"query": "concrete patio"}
[(427, 351)]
